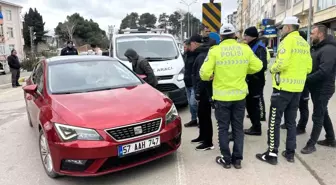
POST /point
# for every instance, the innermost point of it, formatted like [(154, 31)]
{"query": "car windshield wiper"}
[(158, 58)]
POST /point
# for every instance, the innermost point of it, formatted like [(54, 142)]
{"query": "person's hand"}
[(212, 77)]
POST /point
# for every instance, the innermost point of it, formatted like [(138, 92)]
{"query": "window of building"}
[(8, 15), (1, 30), (324, 4), (273, 10), (10, 32), (11, 47)]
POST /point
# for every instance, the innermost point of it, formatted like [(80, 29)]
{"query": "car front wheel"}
[(46, 156)]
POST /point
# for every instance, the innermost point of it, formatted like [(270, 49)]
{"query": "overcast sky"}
[(112, 11)]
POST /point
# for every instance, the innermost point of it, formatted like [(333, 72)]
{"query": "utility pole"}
[(188, 5), (111, 31), (31, 40), (310, 19)]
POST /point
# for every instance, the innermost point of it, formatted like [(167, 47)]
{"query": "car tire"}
[(46, 156)]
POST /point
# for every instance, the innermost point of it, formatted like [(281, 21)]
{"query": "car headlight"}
[(171, 115), (180, 76), (71, 133)]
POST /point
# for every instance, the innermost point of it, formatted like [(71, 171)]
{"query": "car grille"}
[(168, 77), (116, 162), (166, 87), (128, 132)]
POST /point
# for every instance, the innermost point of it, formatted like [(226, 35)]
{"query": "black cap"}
[(251, 31), (69, 42), (196, 38)]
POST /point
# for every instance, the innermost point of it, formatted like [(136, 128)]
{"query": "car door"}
[(37, 101)]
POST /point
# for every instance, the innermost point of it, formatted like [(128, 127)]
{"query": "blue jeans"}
[(192, 102)]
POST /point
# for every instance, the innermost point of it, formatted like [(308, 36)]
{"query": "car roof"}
[(78, 58)]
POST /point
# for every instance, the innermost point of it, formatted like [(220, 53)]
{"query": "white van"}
[(164, 56)]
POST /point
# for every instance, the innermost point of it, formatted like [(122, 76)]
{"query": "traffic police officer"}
[(289, 72), (228, 64)]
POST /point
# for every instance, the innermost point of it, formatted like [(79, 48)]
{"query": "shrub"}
[(29, 64)]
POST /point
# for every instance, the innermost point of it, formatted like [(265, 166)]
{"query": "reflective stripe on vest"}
[(229, 92), (231, 62), (292, 81)]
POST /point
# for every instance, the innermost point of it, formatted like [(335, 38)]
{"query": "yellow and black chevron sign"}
[(212, 16)]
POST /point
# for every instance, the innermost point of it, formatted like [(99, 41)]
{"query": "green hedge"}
[(29, 64)]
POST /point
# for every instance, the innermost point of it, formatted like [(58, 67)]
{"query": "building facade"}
[(232, 18), (11, 25)]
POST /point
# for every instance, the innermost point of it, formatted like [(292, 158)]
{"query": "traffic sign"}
[(211, 16)]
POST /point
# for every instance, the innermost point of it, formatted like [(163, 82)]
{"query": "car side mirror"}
[(30, 89), (142, 76)]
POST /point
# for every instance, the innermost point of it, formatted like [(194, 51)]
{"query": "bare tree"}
[(69, 28)]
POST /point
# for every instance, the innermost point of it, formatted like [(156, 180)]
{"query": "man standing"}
[(203, 93), (69, 50), (228, 64), (321, 84), (255, 82), (189, 58), (14, 65), (206, 38), (289, 71), (141, 66), (303, 105)]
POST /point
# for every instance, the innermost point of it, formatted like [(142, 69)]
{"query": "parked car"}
[(94, 116), (4, 68)]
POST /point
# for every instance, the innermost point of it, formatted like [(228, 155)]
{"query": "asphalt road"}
[(20, 162)]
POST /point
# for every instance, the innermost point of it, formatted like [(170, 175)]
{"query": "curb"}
[(8, 85)]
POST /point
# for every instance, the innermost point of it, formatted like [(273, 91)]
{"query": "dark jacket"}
[(189, 59), (257, 81), (322, 77), (69, 51), (141, 66), (201, 87), (13, 62), (209, 41)]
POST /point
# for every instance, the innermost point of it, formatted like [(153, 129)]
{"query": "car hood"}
[(111, 108)]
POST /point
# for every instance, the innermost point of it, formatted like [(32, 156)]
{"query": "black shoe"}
[(327, 143), (192, 123), (283, 126), (220, 160), (300, 131), (237, 164), (268, 157), (262, 119), (204, 147), (230, 136), (308, 149), (18, 85), (197, 140), (289, 158), (253, 132)]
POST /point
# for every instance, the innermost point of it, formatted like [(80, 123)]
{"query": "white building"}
[(10, 29), (232, 18)]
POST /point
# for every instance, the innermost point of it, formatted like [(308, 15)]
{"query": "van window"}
[(147, 46)]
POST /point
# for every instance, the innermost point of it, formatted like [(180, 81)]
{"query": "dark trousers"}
[(15, 76), (321, 118), (287, 104), (253, 110), (231, 113), (262, 105), (204, 118)]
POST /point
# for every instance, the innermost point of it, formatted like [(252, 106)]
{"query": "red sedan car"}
[(95, 116)]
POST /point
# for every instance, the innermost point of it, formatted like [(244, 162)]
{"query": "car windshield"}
[(153, 48), (86, 76)]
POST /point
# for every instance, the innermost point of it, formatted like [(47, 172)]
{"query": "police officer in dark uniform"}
[(256, 82), (69, 50)]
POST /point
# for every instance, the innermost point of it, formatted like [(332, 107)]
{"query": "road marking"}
[(181, 180)]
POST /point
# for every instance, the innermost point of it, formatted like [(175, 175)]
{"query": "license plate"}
[(138, 146)]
